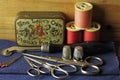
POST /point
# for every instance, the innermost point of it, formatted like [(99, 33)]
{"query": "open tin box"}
[(36, 28)]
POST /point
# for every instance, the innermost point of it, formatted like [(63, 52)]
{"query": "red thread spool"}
[(83, 14), (92, 33), (74, 35)]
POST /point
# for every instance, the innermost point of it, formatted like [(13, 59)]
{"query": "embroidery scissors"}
[(51, 68), (34, 67), (85, 65)]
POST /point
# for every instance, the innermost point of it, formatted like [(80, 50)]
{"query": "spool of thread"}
[(74, 35), (91, 34), (78, 53), (83, 14), (66, 53)]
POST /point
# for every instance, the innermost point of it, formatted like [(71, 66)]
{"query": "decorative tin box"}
[(36, 28)]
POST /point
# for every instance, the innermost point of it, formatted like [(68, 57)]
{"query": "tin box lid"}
[(40, 14)]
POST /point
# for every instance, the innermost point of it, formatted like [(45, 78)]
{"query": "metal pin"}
[(9, 62), (78, 53), (66, 53)]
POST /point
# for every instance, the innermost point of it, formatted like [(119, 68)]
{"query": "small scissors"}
[(50, 68), (35, 67), (87, 67)]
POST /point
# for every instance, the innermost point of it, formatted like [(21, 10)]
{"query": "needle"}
[(9, 62)]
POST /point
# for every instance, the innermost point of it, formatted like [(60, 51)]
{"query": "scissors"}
[(35, 67), (50, 68), (87, 67)]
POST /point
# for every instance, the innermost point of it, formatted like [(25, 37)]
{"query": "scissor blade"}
[(50, 58), (55, 59), (34, 60), (29, 62)]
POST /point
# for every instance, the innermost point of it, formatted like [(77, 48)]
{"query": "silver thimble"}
[(45, 48), (78, 53), (66, 52)]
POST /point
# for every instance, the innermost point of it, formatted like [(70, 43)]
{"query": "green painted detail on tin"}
[(34, 32)]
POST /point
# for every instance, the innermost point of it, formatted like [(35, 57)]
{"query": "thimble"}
[(66, 52), (78, 53), (45, 48)]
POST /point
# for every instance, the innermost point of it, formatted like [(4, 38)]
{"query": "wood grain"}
[(106, 12)]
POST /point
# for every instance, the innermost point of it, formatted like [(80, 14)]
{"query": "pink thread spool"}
[(92, 33), (74, 35), (83, 14)]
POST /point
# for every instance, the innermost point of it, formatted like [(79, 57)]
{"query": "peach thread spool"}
[(74, 35), (83, 14), (92, 33)]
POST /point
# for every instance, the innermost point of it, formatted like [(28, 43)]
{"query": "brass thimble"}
[(66, 52), (78, 53)]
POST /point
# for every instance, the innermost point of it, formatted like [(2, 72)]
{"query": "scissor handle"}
[(38, 70), (96, 60), (95, 69), (61, 73), (68, 68), (91, 67), (56, 71), (44, 70), (33, 72)]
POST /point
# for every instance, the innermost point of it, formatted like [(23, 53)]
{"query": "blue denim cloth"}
[(17, 71)]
